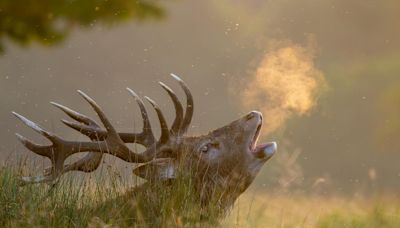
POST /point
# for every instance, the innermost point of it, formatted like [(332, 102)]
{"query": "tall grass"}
[(109, 201), (299, 210), (100, 201), (64, 204)]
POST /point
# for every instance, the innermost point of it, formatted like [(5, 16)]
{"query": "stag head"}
[(221, 164)]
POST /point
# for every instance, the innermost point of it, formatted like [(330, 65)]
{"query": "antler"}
[(108, 140)]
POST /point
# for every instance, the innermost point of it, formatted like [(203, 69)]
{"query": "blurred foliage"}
[(49, 21)]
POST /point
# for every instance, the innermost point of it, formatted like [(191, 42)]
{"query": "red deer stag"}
[(221, 164)]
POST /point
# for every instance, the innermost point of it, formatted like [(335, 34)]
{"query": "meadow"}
[(100, 202)]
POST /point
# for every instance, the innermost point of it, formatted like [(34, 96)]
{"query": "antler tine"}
[(189, 105), (178, 109), (91, 129), (94, 133), (164, 126), (57, 159), (107, 124), (75, 115), (37, 149), (147, 134), (35, 127)]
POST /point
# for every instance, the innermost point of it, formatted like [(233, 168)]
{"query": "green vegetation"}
[(82, 203), (379, 216), (109, 201), (299, 210)]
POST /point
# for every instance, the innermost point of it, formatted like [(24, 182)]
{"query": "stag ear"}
[(158, 169)]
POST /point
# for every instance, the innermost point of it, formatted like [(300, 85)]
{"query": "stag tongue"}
[(265, 150)]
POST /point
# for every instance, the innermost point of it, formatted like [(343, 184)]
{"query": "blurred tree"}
[(49, 21)]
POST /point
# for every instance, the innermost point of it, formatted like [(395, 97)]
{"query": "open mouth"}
[(263, 151), (253, 143)]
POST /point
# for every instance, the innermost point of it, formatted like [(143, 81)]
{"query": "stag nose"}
[(254, 114)]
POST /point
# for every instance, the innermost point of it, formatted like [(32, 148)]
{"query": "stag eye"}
[(205, 148)]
